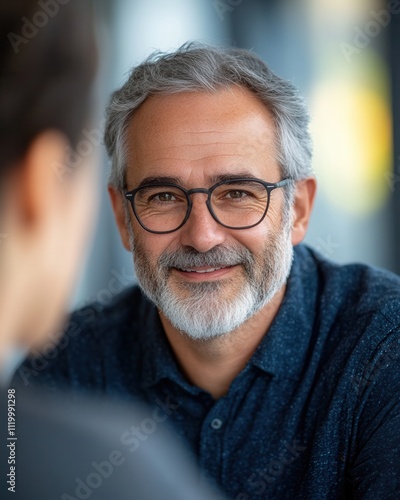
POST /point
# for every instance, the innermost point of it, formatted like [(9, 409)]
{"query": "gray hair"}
[(196, 67)]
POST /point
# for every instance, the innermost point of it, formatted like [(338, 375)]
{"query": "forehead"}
[(195, 136)]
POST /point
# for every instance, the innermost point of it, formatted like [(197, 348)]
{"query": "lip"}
[(206, 275)]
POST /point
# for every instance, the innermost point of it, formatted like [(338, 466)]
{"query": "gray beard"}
[(207, 310)]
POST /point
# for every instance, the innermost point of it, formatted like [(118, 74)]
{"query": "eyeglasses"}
[(235, 204)]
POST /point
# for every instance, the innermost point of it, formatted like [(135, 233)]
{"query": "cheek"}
[(256, 238), (152, 246), (273, 219)]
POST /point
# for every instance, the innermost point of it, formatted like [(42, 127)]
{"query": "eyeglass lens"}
[(235, 204)]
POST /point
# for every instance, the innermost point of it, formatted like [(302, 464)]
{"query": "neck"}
[(213, 364)]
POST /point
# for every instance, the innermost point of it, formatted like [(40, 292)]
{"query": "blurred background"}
[(343, 55)]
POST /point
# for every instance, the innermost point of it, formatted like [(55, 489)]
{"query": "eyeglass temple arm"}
[(282, 183)]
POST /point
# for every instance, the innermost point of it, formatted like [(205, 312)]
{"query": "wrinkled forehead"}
[(200, 135)]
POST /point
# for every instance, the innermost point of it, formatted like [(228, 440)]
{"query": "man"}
[(54, 448), (281, 369)]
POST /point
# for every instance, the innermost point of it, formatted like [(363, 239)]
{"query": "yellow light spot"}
[(352, 133)]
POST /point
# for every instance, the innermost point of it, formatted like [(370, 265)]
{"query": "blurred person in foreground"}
[(285, 368), (53, 447)]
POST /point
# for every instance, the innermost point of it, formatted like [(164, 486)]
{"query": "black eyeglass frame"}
[(130, 195)]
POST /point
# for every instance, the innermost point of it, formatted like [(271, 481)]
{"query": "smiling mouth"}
[(202, 271)]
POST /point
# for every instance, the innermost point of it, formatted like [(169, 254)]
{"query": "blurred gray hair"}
[(196, 67)]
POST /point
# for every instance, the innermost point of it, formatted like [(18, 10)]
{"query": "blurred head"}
[(194, 118), (48, 60)]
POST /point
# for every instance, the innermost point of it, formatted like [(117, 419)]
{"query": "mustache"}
[(219, 256)]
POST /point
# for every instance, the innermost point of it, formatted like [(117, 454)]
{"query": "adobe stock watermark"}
[(3, 236), (224, 6), (60, 340), (119, 281), (373, 369), (392, 178), (41, 360), (84, 148), (325, 246), (258, 481), (363, 35), (131, 440), (30, 27)]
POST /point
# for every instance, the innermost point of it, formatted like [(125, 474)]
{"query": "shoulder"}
[(127, 309), (101, 327), (75, 357), (88, 428), (356, 323), (353, 289)]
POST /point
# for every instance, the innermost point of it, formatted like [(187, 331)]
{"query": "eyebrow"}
[(158, 180), (245, 174), (214, 179)]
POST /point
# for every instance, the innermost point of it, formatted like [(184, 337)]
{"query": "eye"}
[(237, 194), (163, 197)]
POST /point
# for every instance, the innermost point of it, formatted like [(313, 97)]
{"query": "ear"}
[(303, 203), (39, 185), (117, 203)]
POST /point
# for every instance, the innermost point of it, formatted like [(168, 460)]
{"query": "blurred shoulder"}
[(76, 356), (128, 307)]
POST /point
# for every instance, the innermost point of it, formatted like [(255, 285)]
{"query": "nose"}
[(201, 231)]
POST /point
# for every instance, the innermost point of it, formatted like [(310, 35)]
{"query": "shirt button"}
[(216, 423)]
